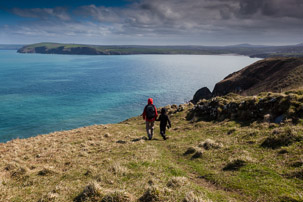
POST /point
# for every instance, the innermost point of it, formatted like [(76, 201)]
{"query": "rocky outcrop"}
[(203, 93), (268, 107)]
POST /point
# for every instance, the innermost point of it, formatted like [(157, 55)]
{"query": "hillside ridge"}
[(267, 75), (242, 49)]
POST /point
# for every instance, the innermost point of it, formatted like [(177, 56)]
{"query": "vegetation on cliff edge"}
[(203, 160)]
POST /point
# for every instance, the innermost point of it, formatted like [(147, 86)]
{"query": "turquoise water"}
[(44, 93)]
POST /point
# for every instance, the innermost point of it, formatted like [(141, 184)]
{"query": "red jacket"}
[(150, 102)]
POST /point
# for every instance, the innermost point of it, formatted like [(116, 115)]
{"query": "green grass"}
[(81, 156)]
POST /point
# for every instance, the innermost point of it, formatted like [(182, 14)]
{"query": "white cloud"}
[(43, 13)]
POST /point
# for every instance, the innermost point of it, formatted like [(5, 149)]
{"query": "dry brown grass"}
[(92, 163)]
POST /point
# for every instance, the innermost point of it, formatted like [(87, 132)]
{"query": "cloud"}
[(272, 8), (43, 13), (102, 14), (190, 21), (192, 17)]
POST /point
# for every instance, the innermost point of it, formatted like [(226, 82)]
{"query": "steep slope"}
[(201, 161), (273, 74)]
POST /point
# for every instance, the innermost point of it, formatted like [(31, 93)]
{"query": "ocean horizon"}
[(42, 93)]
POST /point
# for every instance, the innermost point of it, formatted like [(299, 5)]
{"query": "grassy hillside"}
[(272, 74), (244, 49), (218, 160)]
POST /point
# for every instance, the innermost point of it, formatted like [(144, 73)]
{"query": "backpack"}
[(150, 112)]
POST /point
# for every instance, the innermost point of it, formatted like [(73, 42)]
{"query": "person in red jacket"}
[(149, 115)]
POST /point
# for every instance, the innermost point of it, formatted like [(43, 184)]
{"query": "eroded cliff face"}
[(268, 75), (273, 74)]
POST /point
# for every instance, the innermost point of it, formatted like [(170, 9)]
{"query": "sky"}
[(152, 22)]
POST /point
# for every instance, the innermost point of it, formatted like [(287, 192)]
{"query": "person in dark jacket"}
[(149, 115), (164, 120)]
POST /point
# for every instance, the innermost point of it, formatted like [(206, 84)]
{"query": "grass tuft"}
[(190, 150), (210, 144), (92, 192), (117, 196), (191, 197), (234, 165), (281, 138), (152, 194), (176, 182)]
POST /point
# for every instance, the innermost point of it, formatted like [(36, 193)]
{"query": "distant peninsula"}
[(241, 49)]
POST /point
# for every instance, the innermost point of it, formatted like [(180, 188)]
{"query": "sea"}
[(43, 93)]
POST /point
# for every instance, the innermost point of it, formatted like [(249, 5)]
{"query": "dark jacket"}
[(164, 120), (150, 102)]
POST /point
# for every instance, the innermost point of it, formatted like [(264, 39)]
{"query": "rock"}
[(279, 119), (174, 106), (203, 93), (180, 108), (190, 104)]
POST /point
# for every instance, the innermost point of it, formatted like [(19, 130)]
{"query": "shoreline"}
[(83, 127)]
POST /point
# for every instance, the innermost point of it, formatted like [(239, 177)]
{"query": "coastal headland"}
[(241, 49)]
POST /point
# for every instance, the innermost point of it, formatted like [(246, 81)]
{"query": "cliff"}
[(267, 75)]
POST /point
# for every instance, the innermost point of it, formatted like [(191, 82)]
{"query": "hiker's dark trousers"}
[(162, 132), (150, 129)]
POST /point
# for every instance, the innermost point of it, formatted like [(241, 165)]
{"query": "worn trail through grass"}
[(224, 161)]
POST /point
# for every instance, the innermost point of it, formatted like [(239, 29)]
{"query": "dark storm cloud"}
[(190, 20), (200, 16)]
